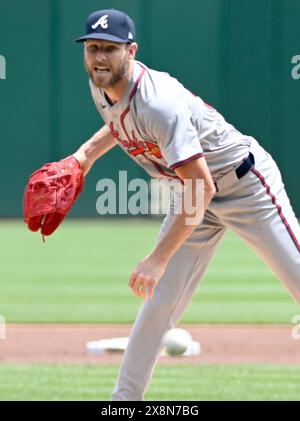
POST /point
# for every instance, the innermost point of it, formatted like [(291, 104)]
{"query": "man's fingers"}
[(136, 280), (132, 279), (146, 290), (135, 283), (142, 286)]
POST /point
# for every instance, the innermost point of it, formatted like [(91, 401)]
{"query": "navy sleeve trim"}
[(186, 161)]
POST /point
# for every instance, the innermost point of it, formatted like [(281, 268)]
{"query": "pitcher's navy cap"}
[(109, 25)]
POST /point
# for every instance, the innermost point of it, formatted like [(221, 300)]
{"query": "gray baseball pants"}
[(257, 208)]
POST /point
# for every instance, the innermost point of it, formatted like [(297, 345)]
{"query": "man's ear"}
[(132, 49)]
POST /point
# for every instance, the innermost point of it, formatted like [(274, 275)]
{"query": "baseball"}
[(176, 341)]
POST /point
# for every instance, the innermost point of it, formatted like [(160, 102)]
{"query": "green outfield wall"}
[(241, 56)]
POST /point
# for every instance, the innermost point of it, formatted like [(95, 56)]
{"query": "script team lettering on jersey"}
[(136, 147)]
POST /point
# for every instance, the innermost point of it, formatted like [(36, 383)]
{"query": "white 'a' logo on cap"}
[(102, 22)]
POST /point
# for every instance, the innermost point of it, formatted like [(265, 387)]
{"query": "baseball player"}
[(174, 134)]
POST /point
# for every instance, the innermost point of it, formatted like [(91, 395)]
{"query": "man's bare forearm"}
[(179, 230), (149, 271), (100, 143)]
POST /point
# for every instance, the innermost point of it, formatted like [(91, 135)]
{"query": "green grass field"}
[(81, 274), (186, 383)]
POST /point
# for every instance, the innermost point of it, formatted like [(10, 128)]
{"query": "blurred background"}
[(238, 55), (241, 56)]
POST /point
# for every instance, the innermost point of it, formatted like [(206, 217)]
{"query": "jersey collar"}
[(125, 99)]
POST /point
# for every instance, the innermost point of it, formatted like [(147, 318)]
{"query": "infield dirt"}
[(220, 344)]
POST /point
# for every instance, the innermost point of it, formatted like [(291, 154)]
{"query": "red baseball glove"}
[(50, 193)]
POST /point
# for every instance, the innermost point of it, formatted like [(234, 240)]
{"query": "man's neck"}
[(115, 93)]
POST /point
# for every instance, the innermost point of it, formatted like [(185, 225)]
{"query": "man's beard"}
[(116, 76)]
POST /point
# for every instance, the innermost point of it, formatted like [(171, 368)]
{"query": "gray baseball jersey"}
[(162, 125)]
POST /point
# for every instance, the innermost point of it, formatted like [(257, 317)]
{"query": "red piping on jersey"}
[(186, 161), (279, 208), (205, 103), (133, 92), (126, 111)]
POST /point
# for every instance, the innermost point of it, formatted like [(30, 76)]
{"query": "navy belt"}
[(245, 166)]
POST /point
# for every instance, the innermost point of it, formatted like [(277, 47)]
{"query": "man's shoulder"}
[(159, 92), (157, 84), (160, 105)]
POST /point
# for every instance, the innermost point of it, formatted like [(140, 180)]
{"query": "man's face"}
[(106, 62)]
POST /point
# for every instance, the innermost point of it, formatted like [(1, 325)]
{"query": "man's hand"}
[(146, 276)]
